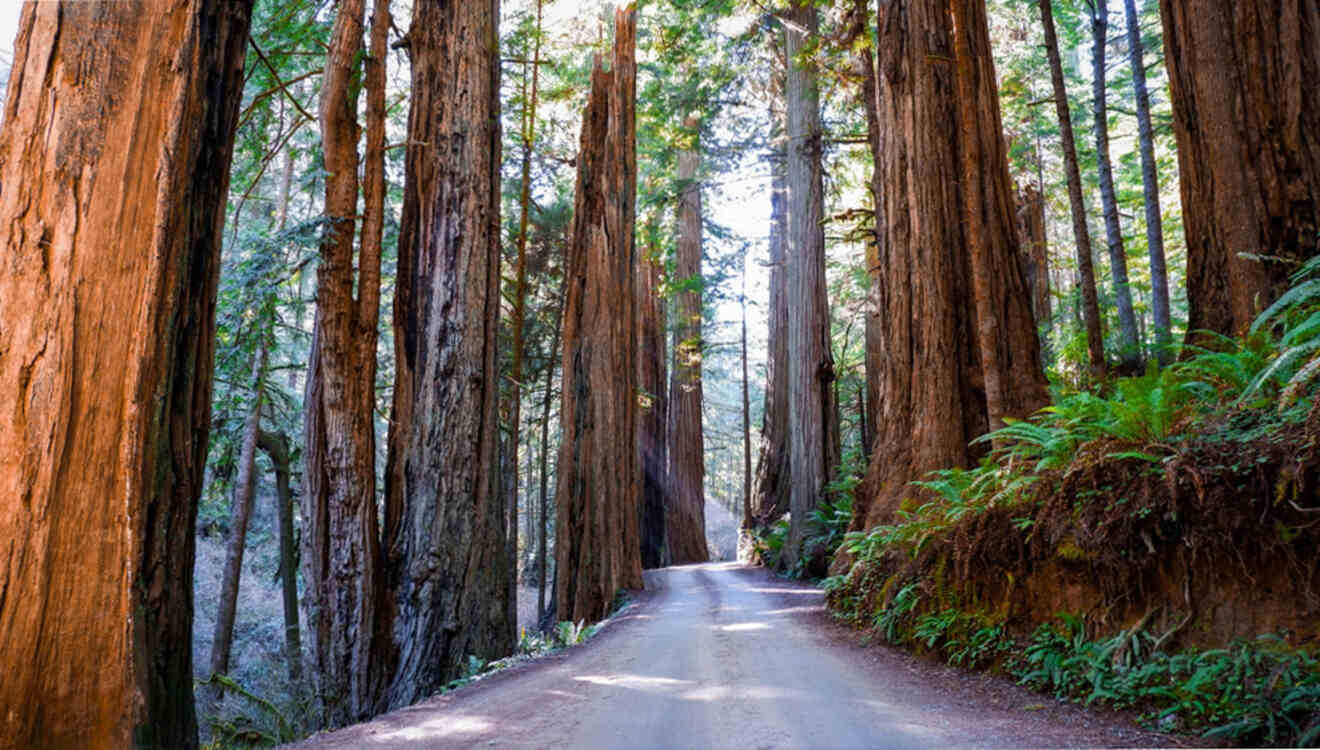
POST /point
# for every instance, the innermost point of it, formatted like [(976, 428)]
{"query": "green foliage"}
[(1251, 692), (891, 618), (268, 728)]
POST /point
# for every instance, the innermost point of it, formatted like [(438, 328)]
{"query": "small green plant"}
[(889, 619)]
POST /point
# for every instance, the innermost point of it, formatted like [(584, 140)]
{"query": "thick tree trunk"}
[(597, 550), (244, 490), (276, 447), (114, 158), (344, 581), (1159, 275), (445, 514), (1129, 347), (1095, 340), (810, 362), (1247, 121), (1035, 259), (955, 194), (685, 523), (653, 420)]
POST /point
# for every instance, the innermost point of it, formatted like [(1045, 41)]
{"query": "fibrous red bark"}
[(1247, 122), (114, 162), (445, 517), (947, 215), (652, 385), (597, 550)]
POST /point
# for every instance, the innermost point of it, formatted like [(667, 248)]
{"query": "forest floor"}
[(722, 655)]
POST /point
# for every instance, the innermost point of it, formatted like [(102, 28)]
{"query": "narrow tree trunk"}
[(874, 326), (652, 447), (746, 412), (770, 492), (951, 219), (543, 561), (114, 156), (244, 490), (1159, 275), (276, 447), (344, 581), (810, 362), (597, 549), (1035, 259), (449, 572), (1129, 347), (685, 524), (1247, 121), (1095, 341)]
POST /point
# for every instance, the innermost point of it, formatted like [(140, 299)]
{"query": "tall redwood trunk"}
[(276, 447), (1129, 345), (948, 217), (342, 559), (685, 525), (1247, 121), (445, 515), (597, 550), (873, 364), (810, 361), (1095, 340), (114, 158), (542, 555), (653, 419), (1035, 257), (1150, 184)]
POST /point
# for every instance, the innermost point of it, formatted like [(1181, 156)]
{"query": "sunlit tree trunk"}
[(652, 423), (342, 557), (597, 549), (948, 218), (1129, 347), (114, 161), (685, 526), (810, 362), (1247, 121), (1095, 340), (445, 514), (1035, 257)]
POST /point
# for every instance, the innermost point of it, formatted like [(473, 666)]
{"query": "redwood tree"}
[(947, 221), (342, 549), (114, 158), (444, 513), (810, 360), (597, 550), (685, 529), (653, 420), (1247, 122)]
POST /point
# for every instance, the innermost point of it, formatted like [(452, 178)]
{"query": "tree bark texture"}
[(1129, 346), (1247, 121), (652, 384), (942, 185), (1150, 184), (444, 511), (244, 490), (114, 161), (276, 447), (1095, 340), (343, 570), (770, 489), (865, 62), (1035, 257), (810, 361), (685, 525), (597, 549)]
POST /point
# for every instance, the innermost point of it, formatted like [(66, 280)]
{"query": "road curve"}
[(714, 656)]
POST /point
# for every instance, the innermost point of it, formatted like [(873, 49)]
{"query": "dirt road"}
[(721, 656)]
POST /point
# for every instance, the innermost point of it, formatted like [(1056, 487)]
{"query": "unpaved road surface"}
[(723, 656)]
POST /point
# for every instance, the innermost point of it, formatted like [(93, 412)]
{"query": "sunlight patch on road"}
[(739, 627), (798, 592), (437, 728), (634, 681)]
